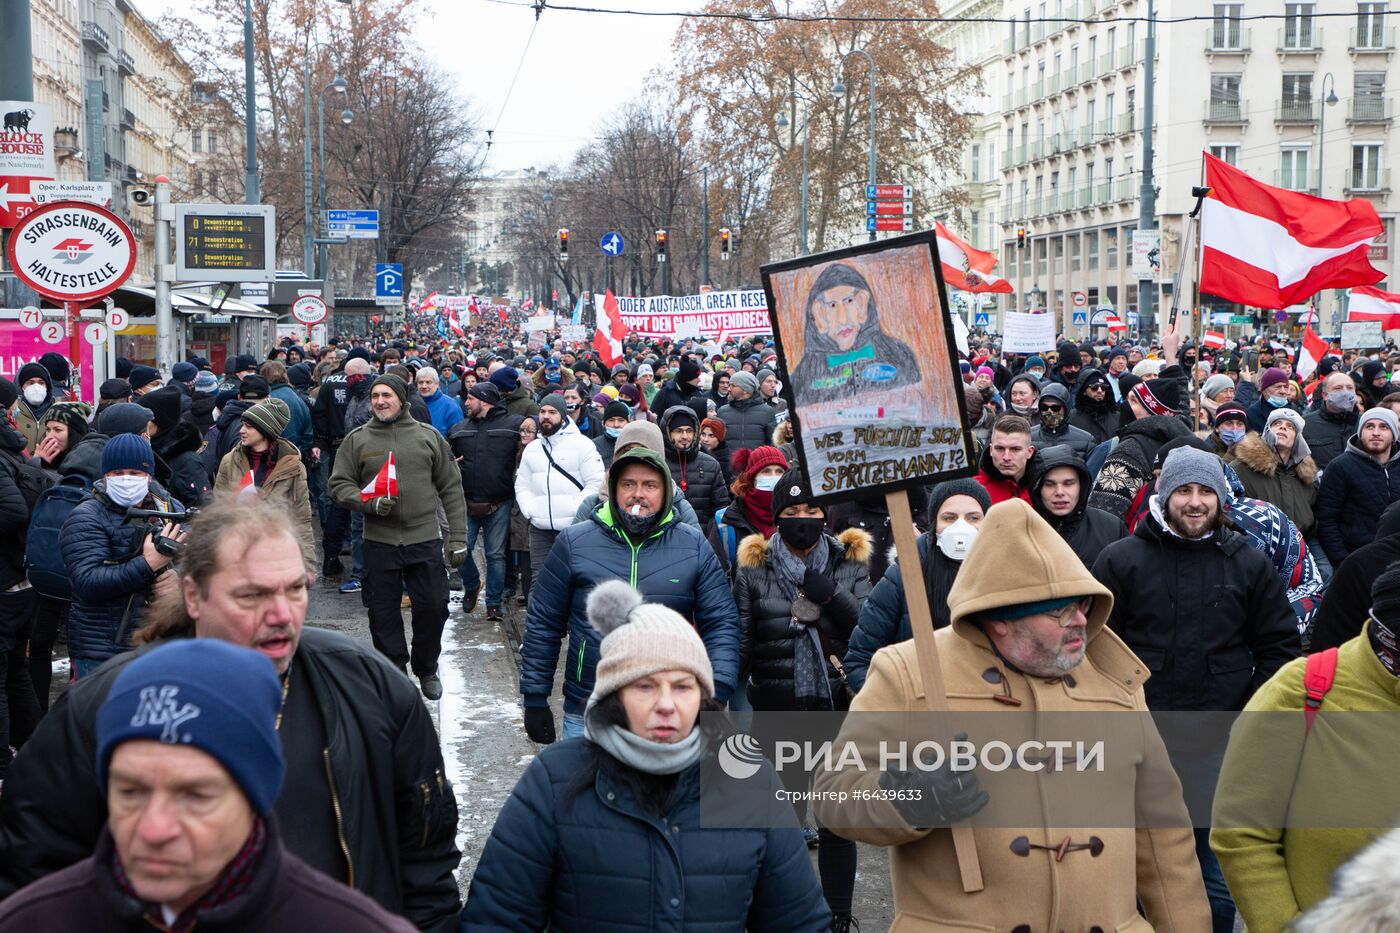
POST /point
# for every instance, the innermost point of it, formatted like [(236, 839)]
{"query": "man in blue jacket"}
[(634, 536), (445, 411)]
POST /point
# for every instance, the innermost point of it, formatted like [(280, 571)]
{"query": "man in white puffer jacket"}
[(559, 469)]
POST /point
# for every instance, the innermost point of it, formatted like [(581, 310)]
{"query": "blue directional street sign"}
[(388, 280), (1081, 317), (612, 244), (353, 225), (982, 319)]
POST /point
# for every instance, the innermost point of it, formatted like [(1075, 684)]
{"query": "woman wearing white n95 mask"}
[(955, 511)]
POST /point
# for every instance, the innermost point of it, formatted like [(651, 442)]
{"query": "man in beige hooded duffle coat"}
[(1030, 638)]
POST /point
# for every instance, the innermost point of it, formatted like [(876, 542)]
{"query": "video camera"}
[(155, 519)]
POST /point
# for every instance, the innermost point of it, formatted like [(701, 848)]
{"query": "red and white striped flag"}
[(385, 482), (1313, 350), (607, 339), (1213, 339), (1372, 304), (1114, 322), (248, 483), (1271, 248), (965, 267)]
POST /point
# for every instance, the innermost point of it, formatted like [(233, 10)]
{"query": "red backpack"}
[(1317, 680)]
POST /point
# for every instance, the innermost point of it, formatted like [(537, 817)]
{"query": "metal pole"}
[(1147, 213), (871, 60), (705, 221), (16, 51), (806, 135), (307, 235), (321, 248), (251, 194), (165, 313)]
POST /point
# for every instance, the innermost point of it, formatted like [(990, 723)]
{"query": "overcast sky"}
[(579, 69)]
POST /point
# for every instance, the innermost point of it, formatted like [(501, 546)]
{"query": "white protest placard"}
[(1027, 333)]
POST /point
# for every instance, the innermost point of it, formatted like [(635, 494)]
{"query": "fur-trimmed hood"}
[(1256, 454), (853, 544)]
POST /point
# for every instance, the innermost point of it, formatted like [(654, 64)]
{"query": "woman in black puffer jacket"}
[(799, 594)]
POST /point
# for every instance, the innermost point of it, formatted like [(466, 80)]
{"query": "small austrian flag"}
[(1114, 322), (1213, 339), (248, 483), (385, 482)]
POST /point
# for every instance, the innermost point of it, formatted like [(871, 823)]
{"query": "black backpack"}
[(43, 561), (30, 478)]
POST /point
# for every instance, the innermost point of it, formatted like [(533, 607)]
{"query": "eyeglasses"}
[(1052, 408), (1065, 615), (528, 432), (1096, 388)]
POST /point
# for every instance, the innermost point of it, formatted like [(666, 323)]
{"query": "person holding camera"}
[(116, 565)]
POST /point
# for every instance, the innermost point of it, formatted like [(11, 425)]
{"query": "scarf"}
[(758, 509), (810, 685), (643, 754), (233, 883), (261, 464), (1383, 643)]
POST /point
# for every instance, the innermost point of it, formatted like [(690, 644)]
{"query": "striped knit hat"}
[(270, 417)]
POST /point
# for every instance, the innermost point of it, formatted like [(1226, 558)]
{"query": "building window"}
[(1366, 167), (1074, 260), (1225, 26), (1110, 248), (1091, 250), (1297, 102), (1225, 97), (1293, 169), (1368, 96), (211, 140), (1228, 153), (975, 173), (1298, 26), (195, 138), (1370, 25)]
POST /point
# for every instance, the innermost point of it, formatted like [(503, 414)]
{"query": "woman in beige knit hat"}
[(604, 832)]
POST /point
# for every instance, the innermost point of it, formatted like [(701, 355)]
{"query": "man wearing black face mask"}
[(634, 535), (799, 595)]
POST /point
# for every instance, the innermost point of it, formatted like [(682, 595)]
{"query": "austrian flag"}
[(1271, 247), (607, 339), (1372, 304), (385, 482), (1213, 339), (248, 483), (965, 267)]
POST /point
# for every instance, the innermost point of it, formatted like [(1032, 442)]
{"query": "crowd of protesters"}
[(1186, 530)]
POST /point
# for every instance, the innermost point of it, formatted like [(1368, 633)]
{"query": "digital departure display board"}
[(225, 243)]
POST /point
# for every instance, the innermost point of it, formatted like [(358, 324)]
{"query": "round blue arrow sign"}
[(612, 244)]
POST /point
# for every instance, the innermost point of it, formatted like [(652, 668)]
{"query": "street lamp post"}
[(308, 229), (840, 88), (346, 115), (1328, 99), (251, 195), (784, 123)]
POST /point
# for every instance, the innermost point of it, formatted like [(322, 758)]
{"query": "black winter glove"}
[(935, 798), (539, 724), (818, 587)]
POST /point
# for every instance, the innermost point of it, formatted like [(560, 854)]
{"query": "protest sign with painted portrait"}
[(874, 383)]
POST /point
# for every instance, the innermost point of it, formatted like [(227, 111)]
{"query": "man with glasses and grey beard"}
[(1205, 612)]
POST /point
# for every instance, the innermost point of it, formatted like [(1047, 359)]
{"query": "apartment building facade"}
[(1302, 100)]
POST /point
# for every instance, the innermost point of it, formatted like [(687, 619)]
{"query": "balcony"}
[(1106, 62), (1128, 123), (1006, 160), (1368, 110), (1021, 154), (1372, 40), (1105, 127), (1227, 38), (1368, 181), (1084, 197), (1295, 180), (125, 63), (1086, 73), (1038, 89), (128, 119), (1296, 112), (1008, 101), (95, 36), (1300, 37), (1037, 150), (1128, 188), (1128, 57), (1104, 192), (1010, 45)]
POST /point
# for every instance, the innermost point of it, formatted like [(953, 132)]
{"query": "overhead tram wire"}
[(538, 6)]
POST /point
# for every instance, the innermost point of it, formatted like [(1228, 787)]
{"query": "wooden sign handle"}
[(935, 692)]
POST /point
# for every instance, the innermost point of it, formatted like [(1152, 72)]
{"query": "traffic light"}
[(724, 243), (1020, 237), (661, 246), (563, 244)]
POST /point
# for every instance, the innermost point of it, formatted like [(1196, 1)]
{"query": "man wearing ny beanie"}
[(1358, 485), (196, 717), (1211, 652)]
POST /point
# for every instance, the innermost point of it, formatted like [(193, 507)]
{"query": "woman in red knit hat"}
[(750, 512)]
